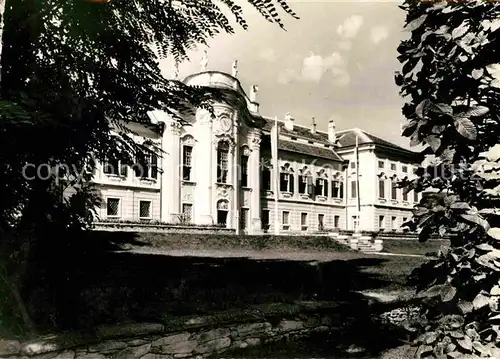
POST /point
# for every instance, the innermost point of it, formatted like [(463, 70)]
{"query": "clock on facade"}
[(225, 123)]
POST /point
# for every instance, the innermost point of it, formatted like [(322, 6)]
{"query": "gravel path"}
[(297, 255), (251, 254)]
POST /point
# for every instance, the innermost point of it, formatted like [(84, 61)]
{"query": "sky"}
[(336, 62)]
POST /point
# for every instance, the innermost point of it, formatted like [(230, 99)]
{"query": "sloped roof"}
[(298, 131), (347, 138), (310, 150)]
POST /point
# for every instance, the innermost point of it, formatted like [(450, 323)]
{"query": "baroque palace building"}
[(221, 171)]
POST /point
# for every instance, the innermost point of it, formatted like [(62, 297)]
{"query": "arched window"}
[(286, 179), (222, 161), (306, 182), (222, 212), (321, 188), (187, 158), (337, 186)]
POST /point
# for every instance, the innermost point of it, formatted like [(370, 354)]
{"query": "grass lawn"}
[(159, 277), (410, 246)]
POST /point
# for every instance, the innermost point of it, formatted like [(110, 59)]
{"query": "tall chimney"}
[(313, 126), (332, 136), (289, 121)]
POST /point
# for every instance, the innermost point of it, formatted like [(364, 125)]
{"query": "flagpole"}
[(274, 153), (358, 199)]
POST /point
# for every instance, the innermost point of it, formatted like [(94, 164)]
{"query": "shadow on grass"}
[(85, 284)]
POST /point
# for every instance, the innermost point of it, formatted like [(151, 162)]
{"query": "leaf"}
[(433, 141), (476, 111), (465, 343), (493, 154), (422, 108), (456, 334), (465, 307), (430, 337), (477, 74), (423, 349), (441, 108), (459, 31), (448, 293), (415, 24), (480, 301), (485, 247), (495, 290), (477, 219), (460, 205), (494, 233), (465, 127), (479, 347)]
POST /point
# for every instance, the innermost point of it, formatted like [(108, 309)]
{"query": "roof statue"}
[(204, 61), (288, 116), (235, 68), (175, 70), (253, 93)]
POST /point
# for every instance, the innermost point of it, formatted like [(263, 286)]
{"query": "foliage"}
[(449, 79), (74, 72)]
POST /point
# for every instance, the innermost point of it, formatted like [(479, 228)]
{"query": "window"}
[(244, 171), (146, 166), (286, 182), (321, 188), (321, 222), (393, 166), (113, 207), (381, 222), (381, 164), (286, 220), (336, 221), (187, 212), (337, 189), (405, 196), (394, 190), (354, 220), (115, 167), (265, 219), (393, 223), (187, 156), (404, 169), (144, 209), (244, 219), (415, 196), (303, 221), (353, 189), (222, 162), (266, 179), (381, 188), (353, 164)]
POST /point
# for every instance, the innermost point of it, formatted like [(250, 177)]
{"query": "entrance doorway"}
[(222, 212)]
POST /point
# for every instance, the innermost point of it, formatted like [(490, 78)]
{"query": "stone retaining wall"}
[(193, 337)]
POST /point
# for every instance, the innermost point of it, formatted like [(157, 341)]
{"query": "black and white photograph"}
[(215, 179)]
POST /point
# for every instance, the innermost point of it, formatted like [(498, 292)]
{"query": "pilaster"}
[(174, 178), (204, 169), (255, 169)]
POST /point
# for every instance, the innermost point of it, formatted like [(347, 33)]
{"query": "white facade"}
[(217, 171)]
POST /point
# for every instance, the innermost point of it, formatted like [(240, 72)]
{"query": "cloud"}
[(286, 76), (314, 67), (378, 34), (344, 45), (268, 55), (350, 27)]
